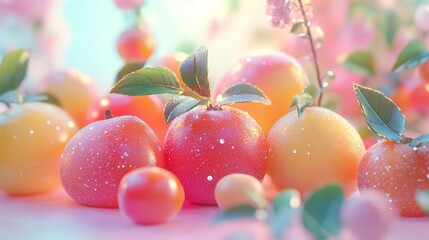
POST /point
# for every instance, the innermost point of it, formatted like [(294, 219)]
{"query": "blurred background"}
[(83, 35)]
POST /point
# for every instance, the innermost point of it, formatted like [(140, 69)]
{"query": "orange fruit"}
[(317, 148)]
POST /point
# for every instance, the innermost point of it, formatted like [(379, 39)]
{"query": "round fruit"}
[(136, 44), (398, 170), (74, 90), (316, 148), (277, 74), (147, 108), (32, 138), (150, 195), (236, 189), (368, 215), (206, 144), (100, 154)]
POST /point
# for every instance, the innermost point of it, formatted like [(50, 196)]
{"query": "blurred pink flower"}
[(29, 9), (128, 4)]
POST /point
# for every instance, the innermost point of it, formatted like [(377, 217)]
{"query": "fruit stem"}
[(406, 139), (108, 114), (213, 107), (313, 51)]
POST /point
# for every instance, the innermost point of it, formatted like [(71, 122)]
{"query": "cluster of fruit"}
[(116, 158)]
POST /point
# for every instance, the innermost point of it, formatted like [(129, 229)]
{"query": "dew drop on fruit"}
[(31, 132), (222, 141), (209, 178), (294, 151)]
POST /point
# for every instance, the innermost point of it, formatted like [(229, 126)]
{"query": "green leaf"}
[(420, 140), (148, 81), (301, 101), (381, 114), (298, 27), (128, 68), (241, 93), (40, 97), (239, 212), (13, 70), (179, 105), (285, 205), (389, 24), (412, 55), (321, 212), (194, 72), (360, 62), (422, 199), (312, 90)]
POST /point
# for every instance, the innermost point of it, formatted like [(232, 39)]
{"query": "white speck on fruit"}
[(31, 132), (14, 137), (90, 129), (232, 147), (221, 141), (105, 132), (294, 151), (209, 178), (427, 176), (415, 148), (48, 122), (248, 59), (308, 153), (57, 128)]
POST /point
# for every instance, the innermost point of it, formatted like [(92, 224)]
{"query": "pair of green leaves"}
[(362, 61), (320, 214), (384, 117), (194, 72), (304, 99)]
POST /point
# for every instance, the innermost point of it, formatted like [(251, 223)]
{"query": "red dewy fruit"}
[(204, 145), (398, 170), (136, 44), (99, 155), (150, 195), (147, 108)]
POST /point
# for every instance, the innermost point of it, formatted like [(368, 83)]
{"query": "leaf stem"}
[(313, 51)]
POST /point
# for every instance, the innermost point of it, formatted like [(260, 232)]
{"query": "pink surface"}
[(57, 216)]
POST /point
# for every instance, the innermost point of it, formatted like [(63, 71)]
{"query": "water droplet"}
[(232, 147), (248, 59), (90, 129), (427, 176), (105, 132), (390, 200), (294, 151), (57, 128), (415, 148), (48, 122), (209, 178), (222, 141), (31, 132)]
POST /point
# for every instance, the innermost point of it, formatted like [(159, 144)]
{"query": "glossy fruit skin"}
[(317, 148), (233, 190), (150, 195), (277, 74), (74, 90), (202, 146), (100, 154), (147, 108), (398, 171), (32, 138), (368, 215), (136, 44)]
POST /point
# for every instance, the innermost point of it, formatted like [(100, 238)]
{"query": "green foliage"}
[(360, 62), (13, 70), (241, 93)]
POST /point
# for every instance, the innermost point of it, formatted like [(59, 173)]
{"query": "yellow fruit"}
[(319, 147), (32, 138)]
